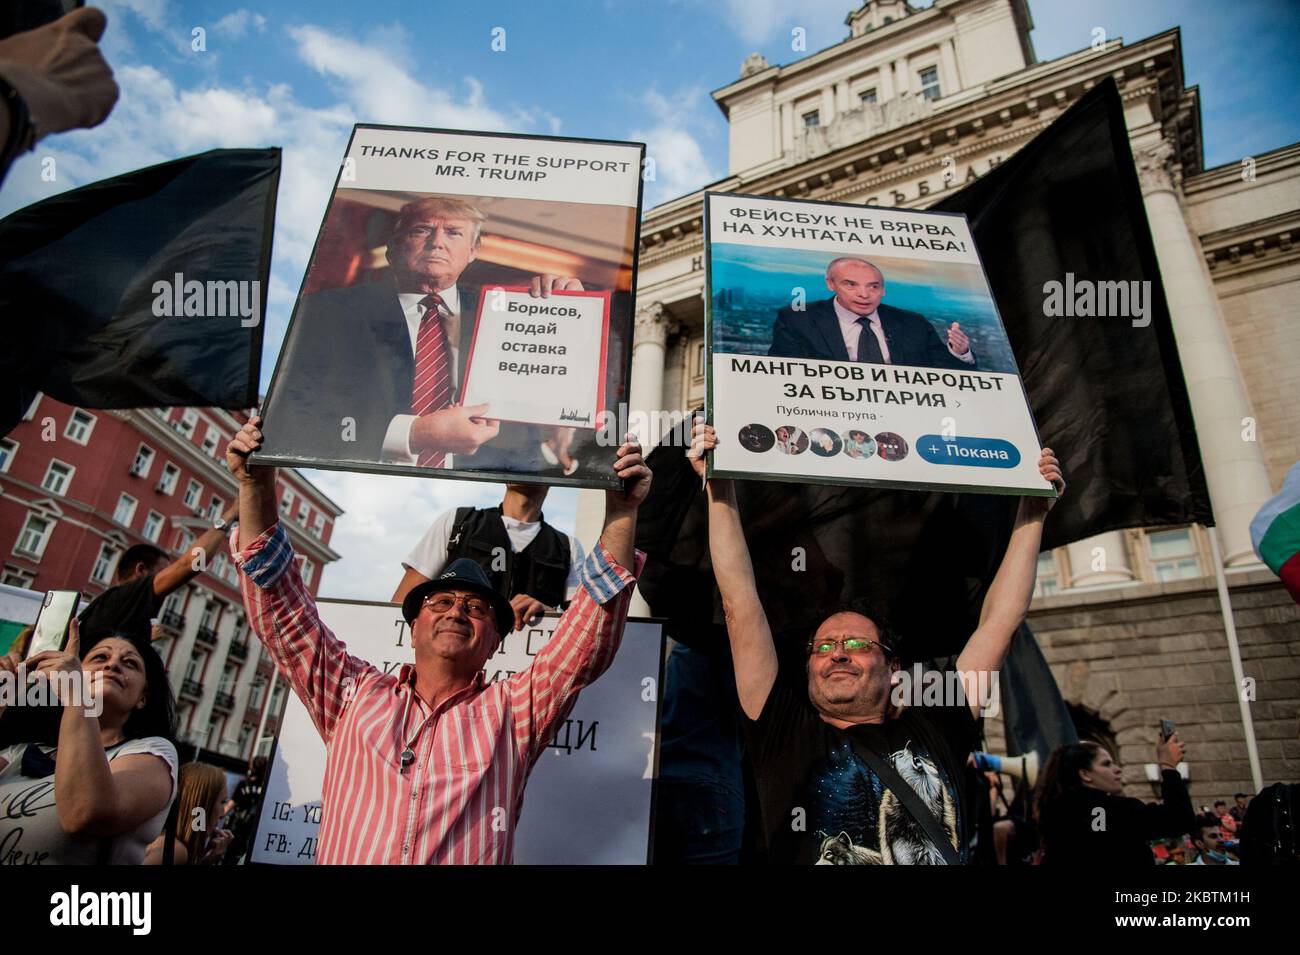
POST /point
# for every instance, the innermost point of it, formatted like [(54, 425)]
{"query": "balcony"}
[(239, 650), (172, 622), (224, 701), (192, 689), (207, 636)]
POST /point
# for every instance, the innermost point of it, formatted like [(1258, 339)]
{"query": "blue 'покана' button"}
[(971, 452)]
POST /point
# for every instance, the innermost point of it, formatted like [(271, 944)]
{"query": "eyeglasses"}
[(476, 607), (850, 645)]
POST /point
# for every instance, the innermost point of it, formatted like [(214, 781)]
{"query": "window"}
[(318, 525), (255, 694), (219, 565), (213, 737), (186, 425), (286, 502), (34, 536), (1048, 581), (930, 83), (211, 440), (276, 695), (125, 510), (153, 525), (215, 507), (209, 618), (79, 426), (307, 569), (700, 354), (867, 97), (193, 491), (245, 736), (812, 119), (17, 577), (102, 572), (183, 540), (58, 477), (143, 461), (7, 451), (303, 510), (195, 666), (228, 676), (1173, 554), (170, 475)]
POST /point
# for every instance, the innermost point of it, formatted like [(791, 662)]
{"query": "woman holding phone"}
[(1085, 818), (91, 780)]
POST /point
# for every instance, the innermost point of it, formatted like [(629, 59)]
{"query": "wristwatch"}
[(220, 524)]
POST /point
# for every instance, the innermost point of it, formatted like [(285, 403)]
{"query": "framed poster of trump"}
[(858, 345), (467, 310)]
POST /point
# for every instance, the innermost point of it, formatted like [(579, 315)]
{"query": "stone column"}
[(1234, 469), (1089, 567), (828, 105), (653, 325), (885, 83), (902, 82), (949, 74)]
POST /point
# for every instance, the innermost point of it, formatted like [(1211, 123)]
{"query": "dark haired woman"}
[(1085, 819), (93, 779)]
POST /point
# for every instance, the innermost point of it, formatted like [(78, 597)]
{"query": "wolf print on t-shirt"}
[(860, 822)]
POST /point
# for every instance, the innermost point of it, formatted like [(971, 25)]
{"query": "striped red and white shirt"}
[(459, 801)]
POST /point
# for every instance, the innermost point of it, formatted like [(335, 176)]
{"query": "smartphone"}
[(1166, 729), (52, 623), (19, 16)]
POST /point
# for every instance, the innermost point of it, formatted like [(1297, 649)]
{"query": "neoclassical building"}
[(915, 103)]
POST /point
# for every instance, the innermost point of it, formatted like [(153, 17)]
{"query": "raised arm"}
[(1007, 600), (189, 565), (588, 634), (752, 652), (280, 609)]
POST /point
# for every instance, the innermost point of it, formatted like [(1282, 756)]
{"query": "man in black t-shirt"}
[(833, 751), (145, 577)]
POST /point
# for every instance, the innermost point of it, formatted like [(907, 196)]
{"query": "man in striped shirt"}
[(428, 765)]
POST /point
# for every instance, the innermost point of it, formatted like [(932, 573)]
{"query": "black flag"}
[(1107, 393), (145, 290)]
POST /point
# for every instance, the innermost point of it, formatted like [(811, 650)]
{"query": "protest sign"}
[(856, 345), (427, 233), (567, 333), (588, 800)]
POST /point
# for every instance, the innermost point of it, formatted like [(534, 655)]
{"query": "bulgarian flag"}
[(1275, 532)]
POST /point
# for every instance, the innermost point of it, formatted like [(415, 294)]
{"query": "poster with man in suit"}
[(872, 328), (467, 311)]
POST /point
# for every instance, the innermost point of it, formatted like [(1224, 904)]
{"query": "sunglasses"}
[(850, 645), (476, 607)]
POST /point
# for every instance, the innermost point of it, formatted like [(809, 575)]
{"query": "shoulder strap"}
[(908, 797), (169, 832), (458, 526)]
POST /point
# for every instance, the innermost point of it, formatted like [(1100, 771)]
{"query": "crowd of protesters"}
[(99, 781)]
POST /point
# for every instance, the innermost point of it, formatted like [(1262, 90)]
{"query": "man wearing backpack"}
[(529, 562)]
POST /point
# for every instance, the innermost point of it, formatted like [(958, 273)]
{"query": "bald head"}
[(858, 285)]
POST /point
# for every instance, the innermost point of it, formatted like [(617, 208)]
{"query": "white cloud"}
[(236, 25), (679, 163), (374, 79)]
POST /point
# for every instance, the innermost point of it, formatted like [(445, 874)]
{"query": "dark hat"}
[(461, 574)]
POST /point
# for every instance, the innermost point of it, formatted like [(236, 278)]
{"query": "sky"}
[(298, 74)]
